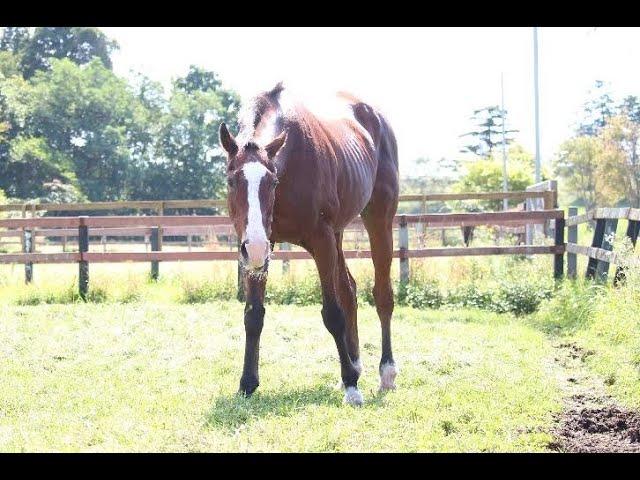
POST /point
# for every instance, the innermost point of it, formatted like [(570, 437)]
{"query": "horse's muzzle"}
[(254, 254)]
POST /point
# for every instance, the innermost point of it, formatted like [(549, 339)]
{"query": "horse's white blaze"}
[(352, 396), (255, 233), (388, 373)]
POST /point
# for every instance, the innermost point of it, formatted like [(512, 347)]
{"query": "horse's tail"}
[(387, 145)]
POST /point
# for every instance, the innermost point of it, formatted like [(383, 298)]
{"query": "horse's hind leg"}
[(380, 232), (325, 254), (346, 290)]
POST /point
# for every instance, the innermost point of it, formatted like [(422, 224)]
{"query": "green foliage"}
[(78, 44), (470, 296), (519, 298), (73, 122), (577, 164), (485, 175), (571, 307), (599, 166), (598, 109), (488, 133), (420, 295), (291, 290), (194, 292)]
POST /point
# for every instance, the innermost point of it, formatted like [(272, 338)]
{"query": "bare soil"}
[(591, 421)]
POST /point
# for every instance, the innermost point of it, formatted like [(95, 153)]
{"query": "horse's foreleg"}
[(325, 254), (253, 322)]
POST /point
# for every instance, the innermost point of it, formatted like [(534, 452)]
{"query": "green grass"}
[(603, 321), (159, 377)]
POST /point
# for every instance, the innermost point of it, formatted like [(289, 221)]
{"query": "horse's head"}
[(251, 181)]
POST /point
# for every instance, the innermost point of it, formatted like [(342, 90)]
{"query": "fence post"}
[(156, 246), (633, 228), (83, 265), (403, 235), (285, 263), (572, 258), (28, 247), (598, 236), (610, 227), (558, 260), (240, 296)]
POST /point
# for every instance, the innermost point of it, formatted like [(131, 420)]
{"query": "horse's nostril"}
[(243, 251)]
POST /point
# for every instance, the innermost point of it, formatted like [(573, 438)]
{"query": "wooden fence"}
[(601, 253), (157, 226)]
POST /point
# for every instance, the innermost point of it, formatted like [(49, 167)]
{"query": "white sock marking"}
[(388, 374), (352, 396)]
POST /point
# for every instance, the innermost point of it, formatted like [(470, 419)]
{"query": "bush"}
[(470, 296), (421, 295), (519, 298), (208, 291), (571, 308), (294, 291)]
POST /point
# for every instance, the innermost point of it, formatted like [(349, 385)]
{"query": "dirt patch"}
[(591, 430), (574, 351), (591, 421)]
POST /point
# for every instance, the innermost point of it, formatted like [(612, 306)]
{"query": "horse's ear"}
[(227, 140), (276, 144)]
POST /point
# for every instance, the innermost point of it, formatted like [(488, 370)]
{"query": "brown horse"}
[(301, 176)]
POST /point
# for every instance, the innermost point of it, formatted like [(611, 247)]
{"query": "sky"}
[(427, 81)]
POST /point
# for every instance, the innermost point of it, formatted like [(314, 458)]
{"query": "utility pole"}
[(505, 185), (537, 108)]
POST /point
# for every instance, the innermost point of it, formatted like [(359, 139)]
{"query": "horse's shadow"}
[(232, 411)]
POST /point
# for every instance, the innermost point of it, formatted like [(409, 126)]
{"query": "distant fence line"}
[(83, 224)]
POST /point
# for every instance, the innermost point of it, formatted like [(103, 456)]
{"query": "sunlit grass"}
[(151, 377)]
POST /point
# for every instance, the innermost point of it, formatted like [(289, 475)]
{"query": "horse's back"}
[(341, 154)]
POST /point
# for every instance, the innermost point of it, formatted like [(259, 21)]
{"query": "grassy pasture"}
[(147, 377), (147, 366)]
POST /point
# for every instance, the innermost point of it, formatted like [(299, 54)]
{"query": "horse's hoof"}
[(353, 397), (248, 387), (388, 373)]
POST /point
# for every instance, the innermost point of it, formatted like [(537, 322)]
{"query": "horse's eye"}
[(274, 184)]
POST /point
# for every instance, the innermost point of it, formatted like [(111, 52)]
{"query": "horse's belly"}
[(357, 185)]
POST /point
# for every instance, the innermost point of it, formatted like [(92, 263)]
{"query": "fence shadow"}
[(232, 411)]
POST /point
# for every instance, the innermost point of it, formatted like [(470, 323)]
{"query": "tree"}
[(485, 175), (14, 39), (578, 165), (75, 130), (597, 111), (489, 131), (620, 170), (78, 44), (189, 162)]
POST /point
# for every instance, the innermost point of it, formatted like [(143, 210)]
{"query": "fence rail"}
[(83, 227), (600, 254), (161, 205)]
